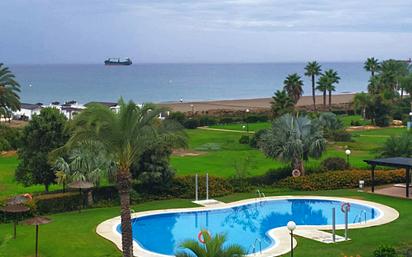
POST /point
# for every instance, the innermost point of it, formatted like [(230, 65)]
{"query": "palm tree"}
[(87, 162), (281, 103), (372, 65), (312, 70), (361, 101), (397, 146), (293, 86), (213, 247), (9, 89), (406, 83), (323, 87), (293, 139), (125, 135), (332, 78)]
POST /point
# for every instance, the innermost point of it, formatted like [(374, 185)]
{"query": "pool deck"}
[(107, 229)]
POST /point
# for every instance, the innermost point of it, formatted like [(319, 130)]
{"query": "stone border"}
[(107, 229)]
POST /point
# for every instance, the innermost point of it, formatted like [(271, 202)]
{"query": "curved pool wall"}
[(243, 225), (242, 221)]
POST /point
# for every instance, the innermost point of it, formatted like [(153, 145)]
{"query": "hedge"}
[(54, 203), (341, 179)]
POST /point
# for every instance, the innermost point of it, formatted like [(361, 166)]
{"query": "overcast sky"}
[(88, 31)]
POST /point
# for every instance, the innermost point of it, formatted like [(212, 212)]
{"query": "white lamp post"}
[(291, 226), (347, 152), (247, 124)]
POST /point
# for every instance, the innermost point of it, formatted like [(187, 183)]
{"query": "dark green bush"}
[(355, 123), (271, 176), (341, 136), (177, 116), (385, 251), (334, 163), (383, 121), (184, 187), (207, 120), (60, 202), (244, 139), (106, 193), (254, 140), (191, 123)]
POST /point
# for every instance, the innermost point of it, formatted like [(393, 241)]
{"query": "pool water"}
[(163, 233)]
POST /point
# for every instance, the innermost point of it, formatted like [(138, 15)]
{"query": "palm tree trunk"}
[(364, 113), (313, 93), (401, 93), (298, 165), (330, 100), (324, 99), (124, 185)]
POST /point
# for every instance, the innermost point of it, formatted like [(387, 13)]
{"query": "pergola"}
[(396, 162)]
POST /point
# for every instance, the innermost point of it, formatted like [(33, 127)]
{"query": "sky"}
[(204, 31)]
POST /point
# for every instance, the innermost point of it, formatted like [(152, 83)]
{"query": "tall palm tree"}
[(281, 103), (332, 78), (372, 65), (213, 247), (293, 139), (406, 83), (312, 70), (125, 135), (323, 87), (293, 86), (9, 90), (361, 101)]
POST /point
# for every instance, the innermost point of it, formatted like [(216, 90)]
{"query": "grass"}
[(73, 234), (242, 126)]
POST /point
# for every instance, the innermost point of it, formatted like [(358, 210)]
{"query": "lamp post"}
[(347, 152), (247, 124), (193, 109), (291, 226)]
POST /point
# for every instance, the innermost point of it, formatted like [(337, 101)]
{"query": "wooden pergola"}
[(395, 162)]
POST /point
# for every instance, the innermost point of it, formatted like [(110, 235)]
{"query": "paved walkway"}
[(226, 130)]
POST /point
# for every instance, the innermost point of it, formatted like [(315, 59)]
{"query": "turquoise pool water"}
[(163, 233)]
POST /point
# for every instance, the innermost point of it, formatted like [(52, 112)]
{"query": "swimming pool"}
[(244, 223)]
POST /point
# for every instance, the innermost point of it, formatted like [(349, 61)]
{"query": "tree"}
[(397, 146), (87, 162), (312, 70), (372, 65), (281, 103), (391, 72), (125, 135), (323, 87), (295, 139), (44, 133), (9, 90), (406, 83), (379, 110), (361, 101), (293, 86), (332, 78), (213, 247), (153, 169)]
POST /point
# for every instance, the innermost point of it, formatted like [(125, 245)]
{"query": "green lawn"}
[(242, 126), (73, 234)]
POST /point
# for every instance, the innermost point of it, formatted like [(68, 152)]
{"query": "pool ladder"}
[(358, 218), (253, 247), (260, 194)]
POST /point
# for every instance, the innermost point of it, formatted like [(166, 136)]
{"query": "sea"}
[(45, 83)]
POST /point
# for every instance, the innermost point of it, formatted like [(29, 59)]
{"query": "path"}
[(226, 130)]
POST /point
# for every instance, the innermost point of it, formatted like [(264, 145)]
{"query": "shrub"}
[(207, 121), (177, 116), (383, 121), (271, 176), (341, 179), (254, 140), (191, 123), (244, 139), (341, 136), (60, 202), (334, 163), (106, 194), (385, 251), (355, 123)]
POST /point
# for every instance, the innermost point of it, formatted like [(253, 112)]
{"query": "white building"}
[(27, 111)]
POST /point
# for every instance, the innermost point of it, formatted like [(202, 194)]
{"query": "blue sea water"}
[(168, 82), (163, 233)]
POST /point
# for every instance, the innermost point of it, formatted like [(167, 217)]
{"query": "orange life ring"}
[(345, 207), (296, 173), (200, 236)]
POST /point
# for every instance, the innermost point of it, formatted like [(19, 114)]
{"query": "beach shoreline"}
[(253, 104)]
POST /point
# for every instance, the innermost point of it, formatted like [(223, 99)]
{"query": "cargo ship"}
[(118, 61)]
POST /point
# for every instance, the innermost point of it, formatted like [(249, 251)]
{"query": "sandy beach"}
[(257, 104)]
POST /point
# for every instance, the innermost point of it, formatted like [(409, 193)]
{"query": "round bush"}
[(334, 163), (244, 140)]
